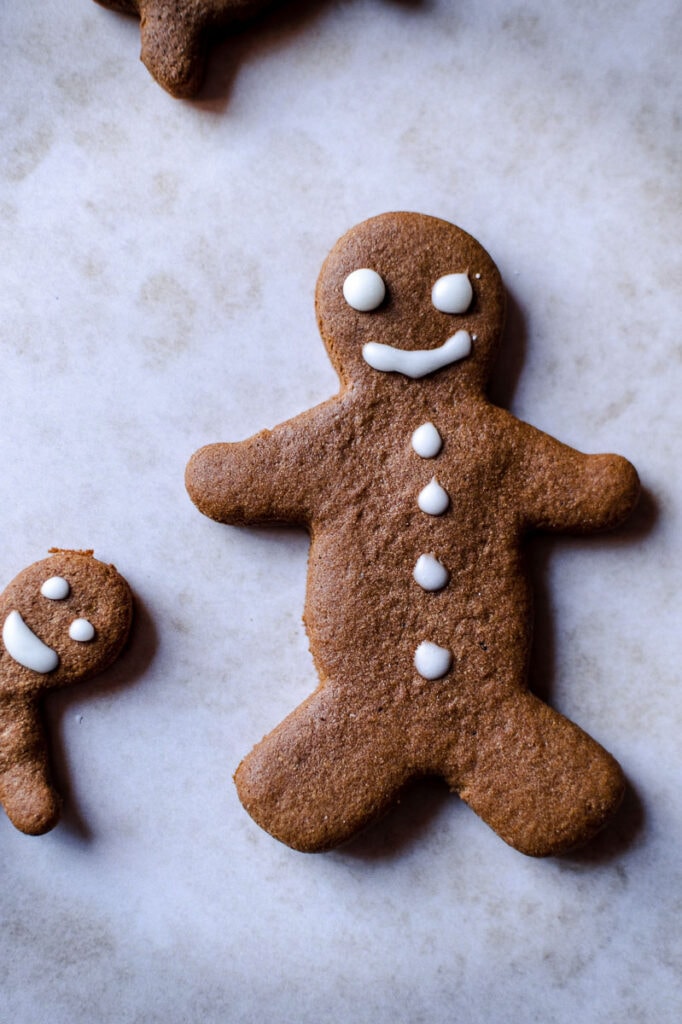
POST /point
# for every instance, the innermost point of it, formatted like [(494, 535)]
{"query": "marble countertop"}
[(156, 293)]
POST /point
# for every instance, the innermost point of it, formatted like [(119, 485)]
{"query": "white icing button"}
[(417, 362), (432, 661), (433, 499), (426, 441), (430, 574), (364, 290), (25, 647), (56, 588), (81, 630), (452, 293)]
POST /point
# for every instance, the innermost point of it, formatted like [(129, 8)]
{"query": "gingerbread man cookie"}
[(176, 34), (64, 619), (418, 494)]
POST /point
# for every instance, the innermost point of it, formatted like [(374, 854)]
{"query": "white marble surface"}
[(156, 279)]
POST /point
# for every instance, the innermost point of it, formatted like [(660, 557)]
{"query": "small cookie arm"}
[(262, 479), (172, 41), (565, 490), (174, 36), (30, 801)]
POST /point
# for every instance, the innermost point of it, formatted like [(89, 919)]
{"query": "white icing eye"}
[(81, 630), (56, 588), (364, 290), (452, 293)]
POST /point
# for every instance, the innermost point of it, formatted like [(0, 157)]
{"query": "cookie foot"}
[(29, 800), (319, 777), (540, 782)]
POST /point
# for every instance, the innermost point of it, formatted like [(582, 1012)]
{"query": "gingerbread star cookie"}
[(419, 496), (176, 35), (63, 620)]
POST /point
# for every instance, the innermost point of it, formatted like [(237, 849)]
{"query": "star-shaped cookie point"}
[(175, 35)]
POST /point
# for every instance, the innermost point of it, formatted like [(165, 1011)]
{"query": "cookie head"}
[(404, 296), (64, 619)]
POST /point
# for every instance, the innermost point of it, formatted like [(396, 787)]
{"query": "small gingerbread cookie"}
[(64, 619), (419, 495), (176, 35)]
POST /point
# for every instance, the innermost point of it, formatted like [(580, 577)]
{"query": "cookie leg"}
[(538, 780), (320, 776), (32, 805)]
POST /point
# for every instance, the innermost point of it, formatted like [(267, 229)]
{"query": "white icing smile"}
[(417, 362), (25, 647)]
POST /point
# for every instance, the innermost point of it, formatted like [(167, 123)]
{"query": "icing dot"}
[(432, 661), (364, 290), (429, 573), (452, 293), (433, 499), (426, 441), (81, 630), (56, 588)]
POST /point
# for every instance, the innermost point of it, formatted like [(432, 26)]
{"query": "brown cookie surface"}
[(64, 619), (418, 494), (176, 35)]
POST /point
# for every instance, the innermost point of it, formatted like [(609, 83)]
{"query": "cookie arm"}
[(173, 48), (262, 479), (567, 490), (31, 803)]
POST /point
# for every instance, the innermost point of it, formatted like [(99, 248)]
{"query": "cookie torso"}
[(370, 537)]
